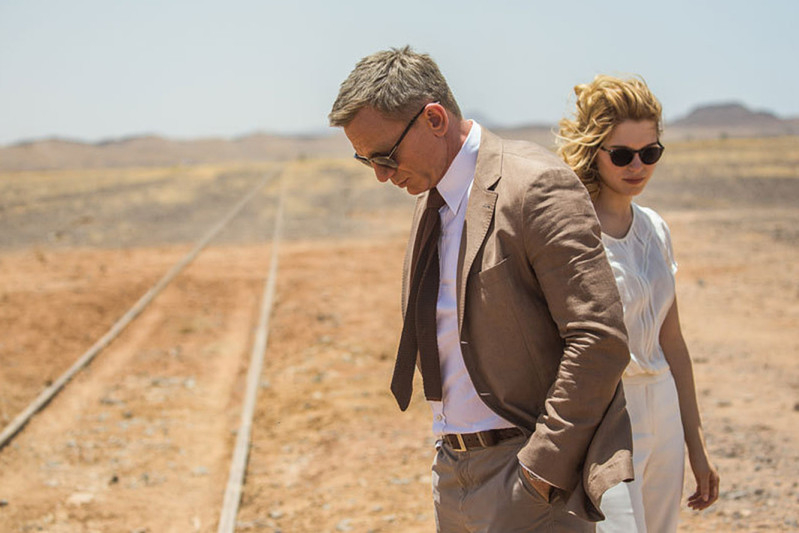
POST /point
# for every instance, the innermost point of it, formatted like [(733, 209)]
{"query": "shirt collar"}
[(460, 174)]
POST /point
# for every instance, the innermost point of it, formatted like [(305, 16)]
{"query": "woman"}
[(613, 144)]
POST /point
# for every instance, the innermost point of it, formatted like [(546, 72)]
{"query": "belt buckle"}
[(461, 445)]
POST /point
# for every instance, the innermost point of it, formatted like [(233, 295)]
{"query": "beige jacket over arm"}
[(540, 319)]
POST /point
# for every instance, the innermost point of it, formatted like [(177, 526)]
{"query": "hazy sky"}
[(98, 69)]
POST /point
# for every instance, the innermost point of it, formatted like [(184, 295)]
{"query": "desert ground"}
[(140, 441)]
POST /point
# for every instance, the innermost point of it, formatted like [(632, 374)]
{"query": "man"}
[(509, 304)]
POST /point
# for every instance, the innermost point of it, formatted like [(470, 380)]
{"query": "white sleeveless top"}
[(644, 267)]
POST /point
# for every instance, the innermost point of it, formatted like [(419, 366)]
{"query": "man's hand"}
[(542, 487)]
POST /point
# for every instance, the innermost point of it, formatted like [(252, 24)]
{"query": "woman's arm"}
[(676, 352)]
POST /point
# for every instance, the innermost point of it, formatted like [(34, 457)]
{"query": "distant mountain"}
[(152, 150), (730, 120), (542, 134), (708, 121)]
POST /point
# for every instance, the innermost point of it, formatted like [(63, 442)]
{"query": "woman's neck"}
[(614, 212)]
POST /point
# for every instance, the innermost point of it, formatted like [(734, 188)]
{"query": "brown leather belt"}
[(464, 442)]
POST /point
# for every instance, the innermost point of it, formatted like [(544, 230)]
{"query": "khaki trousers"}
[(484, 491)]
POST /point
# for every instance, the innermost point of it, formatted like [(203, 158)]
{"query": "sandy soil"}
[(140, 441)]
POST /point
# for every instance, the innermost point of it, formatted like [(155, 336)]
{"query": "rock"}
[(735, 494), (107, 400), (80, 498), (200, 471)]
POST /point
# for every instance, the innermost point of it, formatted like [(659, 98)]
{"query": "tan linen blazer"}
[(541, 326)]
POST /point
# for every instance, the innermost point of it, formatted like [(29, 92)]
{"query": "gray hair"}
[(395, 82)]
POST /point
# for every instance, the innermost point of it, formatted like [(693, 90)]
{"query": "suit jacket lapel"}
[(479, 211), (421, 201)]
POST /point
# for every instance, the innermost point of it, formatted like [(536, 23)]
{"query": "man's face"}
[(371, 133)]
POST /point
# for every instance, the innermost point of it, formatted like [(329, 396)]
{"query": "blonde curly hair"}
[(601, 105)]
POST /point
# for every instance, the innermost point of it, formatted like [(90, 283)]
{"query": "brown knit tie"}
[(419, 329)]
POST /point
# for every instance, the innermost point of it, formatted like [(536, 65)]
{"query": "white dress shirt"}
[(461, 409)]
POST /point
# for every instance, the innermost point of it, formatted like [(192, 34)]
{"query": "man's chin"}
[(414, 190)]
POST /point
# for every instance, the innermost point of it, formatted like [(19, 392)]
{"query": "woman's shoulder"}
[(652, 227), (650, 218)]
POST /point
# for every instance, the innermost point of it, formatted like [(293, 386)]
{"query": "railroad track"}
[(98, 410)]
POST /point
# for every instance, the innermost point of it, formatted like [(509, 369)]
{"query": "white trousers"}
[(650, 503)]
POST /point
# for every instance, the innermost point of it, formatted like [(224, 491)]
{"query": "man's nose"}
[(383, 173)]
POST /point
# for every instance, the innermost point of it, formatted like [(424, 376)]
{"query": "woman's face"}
[(630, 179)]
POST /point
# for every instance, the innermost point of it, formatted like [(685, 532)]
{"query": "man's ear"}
[(437, 119)]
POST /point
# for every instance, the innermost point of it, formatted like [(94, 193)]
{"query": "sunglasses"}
[(387, 160), (621, 157)]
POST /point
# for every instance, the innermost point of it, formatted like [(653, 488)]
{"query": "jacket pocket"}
[(503, 321), (499, 273)]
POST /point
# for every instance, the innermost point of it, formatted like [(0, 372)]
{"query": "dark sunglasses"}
[(387, 160), (621, 157)]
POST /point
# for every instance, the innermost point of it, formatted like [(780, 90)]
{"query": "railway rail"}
[(238, 461)]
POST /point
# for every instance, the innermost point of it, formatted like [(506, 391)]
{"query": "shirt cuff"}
[(537, 477)]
